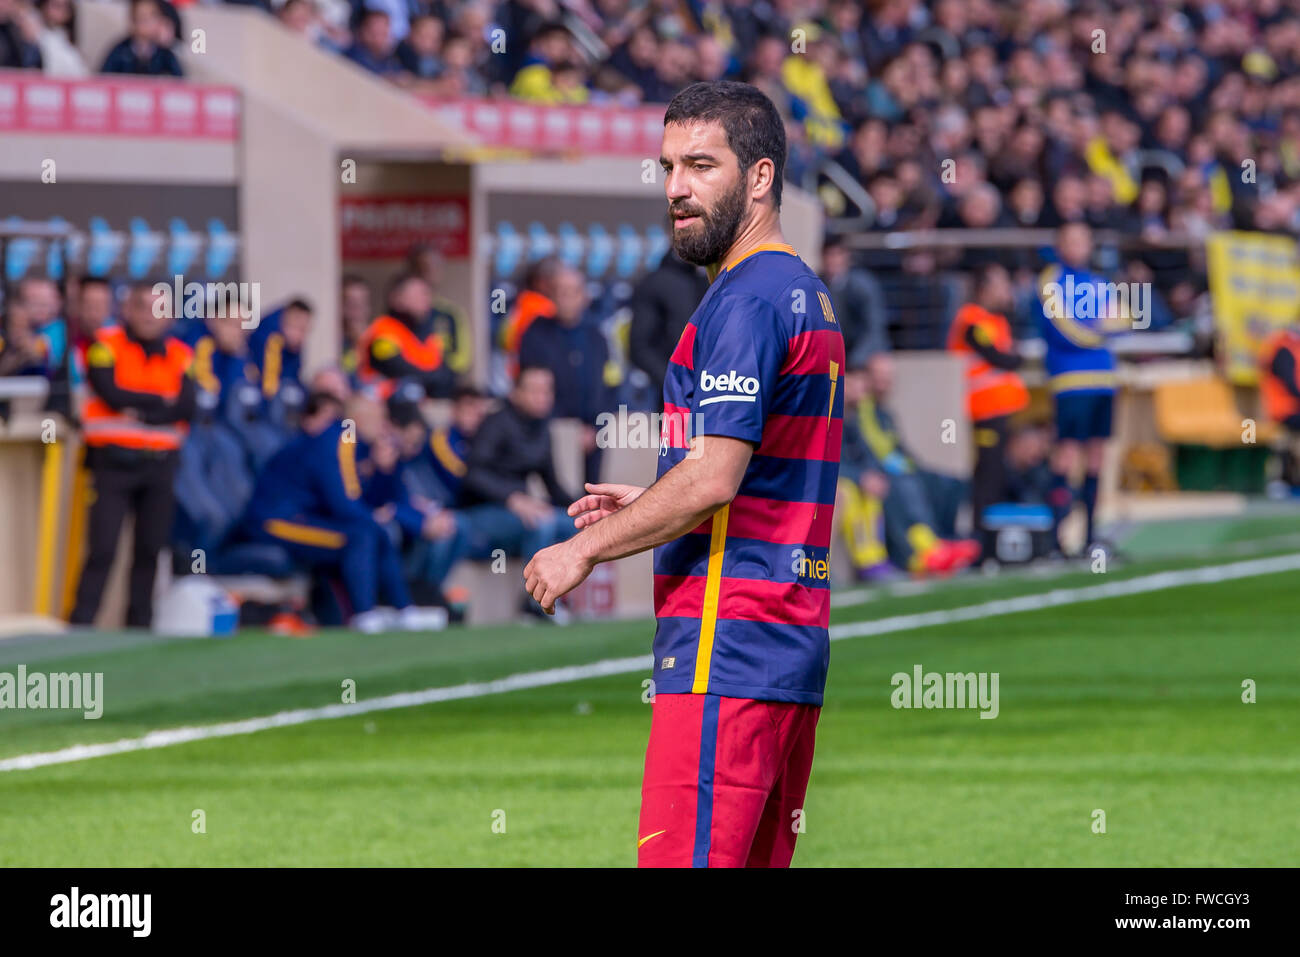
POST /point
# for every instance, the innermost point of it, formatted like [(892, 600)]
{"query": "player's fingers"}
[(585, 504), (590, 517)]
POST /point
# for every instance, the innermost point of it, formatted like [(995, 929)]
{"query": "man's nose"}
[(675, 185)]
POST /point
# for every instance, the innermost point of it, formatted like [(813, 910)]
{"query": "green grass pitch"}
[(1129, 705)]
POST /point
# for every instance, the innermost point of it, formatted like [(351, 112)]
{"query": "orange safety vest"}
[(424, 354), (137, 371), (1279, 403), (990, 391), (529, 307)]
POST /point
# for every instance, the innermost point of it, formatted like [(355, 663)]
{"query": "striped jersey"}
[(743, 601)]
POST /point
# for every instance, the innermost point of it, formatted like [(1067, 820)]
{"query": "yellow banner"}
[(1255, 288)]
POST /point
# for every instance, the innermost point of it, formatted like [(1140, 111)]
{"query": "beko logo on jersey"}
[(739, 388)]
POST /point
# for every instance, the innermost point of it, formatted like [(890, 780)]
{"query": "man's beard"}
[(707, 241)]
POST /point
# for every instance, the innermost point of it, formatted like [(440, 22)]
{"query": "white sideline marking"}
[(617, 666), (1158, 581), (284, 719)]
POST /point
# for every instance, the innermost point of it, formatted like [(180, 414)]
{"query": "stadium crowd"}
[(1169, 119)]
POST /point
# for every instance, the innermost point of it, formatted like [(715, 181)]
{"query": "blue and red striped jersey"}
[(743, 601)]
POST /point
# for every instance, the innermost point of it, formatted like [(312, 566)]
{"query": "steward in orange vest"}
[(405, 343), (994, 392), (992, 386), (140, 400), (1279, 377), (535, 301)]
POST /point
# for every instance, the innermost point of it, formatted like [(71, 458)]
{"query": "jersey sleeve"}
[(738, 353)]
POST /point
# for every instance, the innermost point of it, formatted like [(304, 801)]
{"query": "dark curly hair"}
[(754, 127)]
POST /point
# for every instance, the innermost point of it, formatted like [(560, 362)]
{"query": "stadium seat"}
[(1203, 412)]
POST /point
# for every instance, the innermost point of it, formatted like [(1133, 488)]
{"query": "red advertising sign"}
[(385, 227), (35, 103), (508, 124)]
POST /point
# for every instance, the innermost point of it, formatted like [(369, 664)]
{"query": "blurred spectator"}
[(58, 39), (356, 310), (576, 353), (141, 52), (430, 536), (305, 18), (40, 331), (450, 322), (981, 334), (309, 501), (22, 350), (398, 12), (142, 398), (919, 506), (459, 77), (275, 348), (436, 464), (807, 78), (535, 300), (662, 303), (550, 53), (861, 490), (373, 48), (94, 311), (1029, 475), (404, 343), (512, 448), (858, 300), (229, 379), (636, 62), (418, 52), (1080, 368), (1280, 378), (20, 35)]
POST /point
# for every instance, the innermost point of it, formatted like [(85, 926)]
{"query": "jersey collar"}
[(764, 248)]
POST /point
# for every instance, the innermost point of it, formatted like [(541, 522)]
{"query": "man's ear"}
[(764, 170)]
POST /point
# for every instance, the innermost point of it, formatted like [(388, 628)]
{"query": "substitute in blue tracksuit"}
[(433, 537), (309, 500), (230, 384), (275, 347), (1075, 320)]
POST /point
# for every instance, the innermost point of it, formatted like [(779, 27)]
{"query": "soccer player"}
[(1075, 323), (740, 514)]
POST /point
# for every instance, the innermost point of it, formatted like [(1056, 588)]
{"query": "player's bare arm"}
[(631, 520)]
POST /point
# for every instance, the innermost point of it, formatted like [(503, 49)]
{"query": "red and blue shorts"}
[(724, 782)]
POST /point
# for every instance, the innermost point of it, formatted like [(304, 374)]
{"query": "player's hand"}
[(554, 572), (605, 499)]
